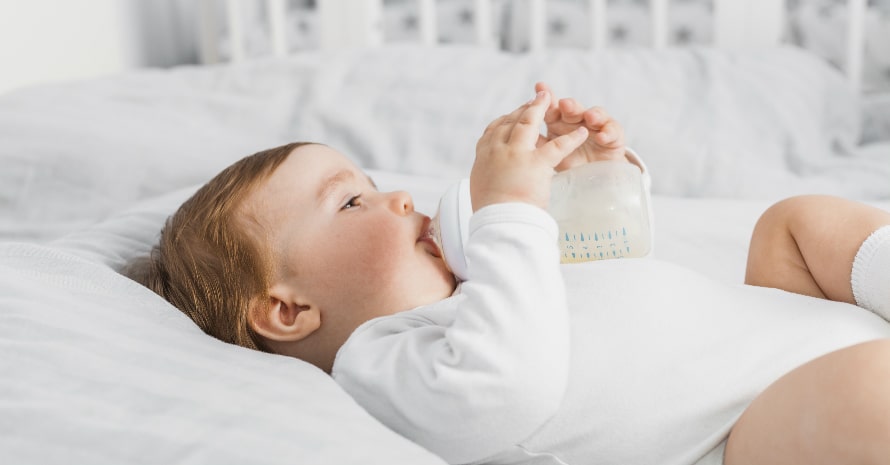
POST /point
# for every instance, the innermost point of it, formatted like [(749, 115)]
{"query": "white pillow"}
[(122, 236), (748, 124), (763, 123), (76, 152), (98, 369), (101, 370)]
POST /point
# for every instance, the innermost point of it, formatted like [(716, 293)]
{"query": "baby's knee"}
[(784, 213), (775, 221), (774, 258), (803, 214), (774, 253)]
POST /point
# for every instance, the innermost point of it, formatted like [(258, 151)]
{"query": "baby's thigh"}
[(834, 409)]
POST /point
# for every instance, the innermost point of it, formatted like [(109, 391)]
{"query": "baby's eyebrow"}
[(331, 182)]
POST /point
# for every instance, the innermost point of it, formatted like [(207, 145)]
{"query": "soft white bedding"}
[(757, 124), (99, 370)]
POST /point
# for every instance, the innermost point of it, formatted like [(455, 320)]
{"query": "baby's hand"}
[(512, 164), (606, 140)]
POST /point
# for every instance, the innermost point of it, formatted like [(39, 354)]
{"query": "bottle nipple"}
[(451, 225)]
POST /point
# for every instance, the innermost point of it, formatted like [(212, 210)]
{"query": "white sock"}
[(871, 273)]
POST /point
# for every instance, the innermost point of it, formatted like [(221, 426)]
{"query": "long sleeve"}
[(479, 372)]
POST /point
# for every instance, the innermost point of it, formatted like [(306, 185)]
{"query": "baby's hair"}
[(207, 263)]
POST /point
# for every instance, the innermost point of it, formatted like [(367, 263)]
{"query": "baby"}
[(294, 251)]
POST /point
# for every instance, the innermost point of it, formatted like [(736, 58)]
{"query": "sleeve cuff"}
[(514, 212)]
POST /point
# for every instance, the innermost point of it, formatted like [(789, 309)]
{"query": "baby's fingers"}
[(559, 148), (595, 118), (552, 114), (491, 134), (571, 111), (528, 123), (493, 127), (610, 134)]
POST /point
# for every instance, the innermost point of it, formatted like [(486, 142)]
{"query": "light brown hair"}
[(207, 263)]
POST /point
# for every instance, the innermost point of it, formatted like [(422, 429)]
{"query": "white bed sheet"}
[(97, 369)]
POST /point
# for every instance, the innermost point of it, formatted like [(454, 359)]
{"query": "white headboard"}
[(358, 23)]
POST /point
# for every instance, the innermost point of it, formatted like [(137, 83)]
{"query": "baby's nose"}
[(401, 202)]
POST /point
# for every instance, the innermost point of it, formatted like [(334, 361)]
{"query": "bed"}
[(97, 369)]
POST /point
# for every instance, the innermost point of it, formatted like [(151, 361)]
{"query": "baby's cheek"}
[(385, 249), (370, 252)]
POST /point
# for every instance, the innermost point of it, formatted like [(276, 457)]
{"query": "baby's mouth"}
[(427, 236)]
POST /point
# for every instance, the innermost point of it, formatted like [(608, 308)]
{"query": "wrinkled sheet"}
[(745, 125)]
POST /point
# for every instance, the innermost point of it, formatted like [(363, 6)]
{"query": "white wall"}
[(51, 40)]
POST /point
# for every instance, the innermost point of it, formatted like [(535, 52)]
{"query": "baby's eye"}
[(352, 202)]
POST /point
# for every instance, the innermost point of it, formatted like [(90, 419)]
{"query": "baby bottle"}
[(450, 227), (602, 209)]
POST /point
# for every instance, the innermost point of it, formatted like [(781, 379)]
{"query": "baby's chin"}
[(449, 281)]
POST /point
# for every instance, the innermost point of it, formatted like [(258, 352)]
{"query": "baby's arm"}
[(481, 371), (807, 245)]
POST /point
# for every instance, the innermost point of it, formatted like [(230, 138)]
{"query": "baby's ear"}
[(282, 317)]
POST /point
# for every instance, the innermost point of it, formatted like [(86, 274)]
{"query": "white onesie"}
[(630, 361)]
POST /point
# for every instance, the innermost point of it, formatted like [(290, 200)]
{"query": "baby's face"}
[(347, 248)]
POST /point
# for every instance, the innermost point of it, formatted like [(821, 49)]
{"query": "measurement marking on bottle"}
[(596, 245)]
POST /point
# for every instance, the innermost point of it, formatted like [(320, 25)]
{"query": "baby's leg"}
[(832, 410), (808, 244)]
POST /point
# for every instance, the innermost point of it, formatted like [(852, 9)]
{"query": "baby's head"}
[(290, 249)]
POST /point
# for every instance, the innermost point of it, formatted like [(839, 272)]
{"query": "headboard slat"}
[(276, 11), (659, 12), (235, 23), (750, 23), (352, 23), (428, 22), (208, 28), (599, 29), (538, 27), (483, 22), (855, 41)]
